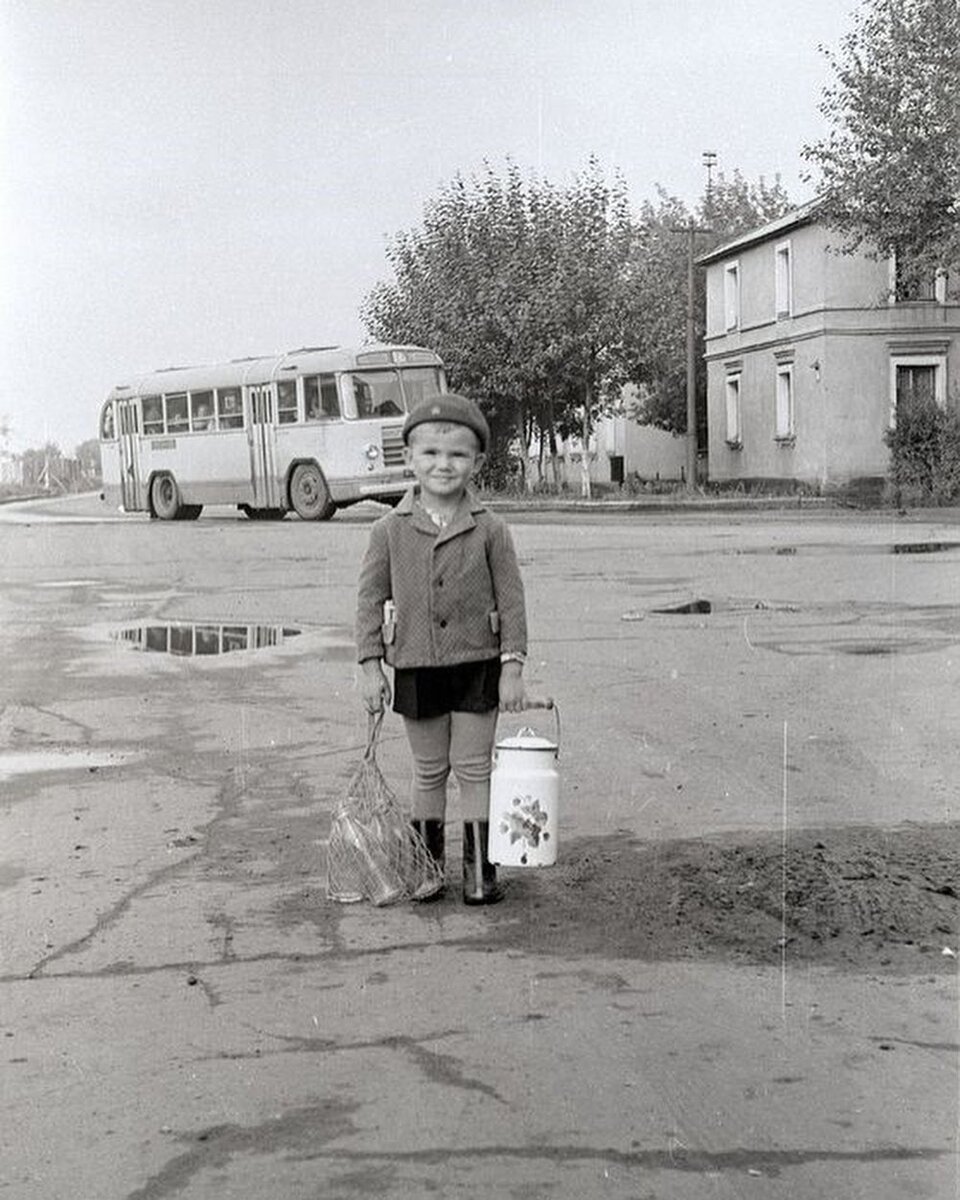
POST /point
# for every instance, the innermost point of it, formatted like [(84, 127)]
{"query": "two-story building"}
[(810, 352)]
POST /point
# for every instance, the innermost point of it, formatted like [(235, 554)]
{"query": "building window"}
[(731, 296), (783, 417), (784, 280), (916, 381), (733, 412), (907, 290)]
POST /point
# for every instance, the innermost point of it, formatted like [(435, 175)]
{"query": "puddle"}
[(30, 762), (853, 551), (692, 606), (863, 649), (923, 547), (185, 639)]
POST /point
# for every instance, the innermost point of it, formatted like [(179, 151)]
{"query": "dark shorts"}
[(423, 692)]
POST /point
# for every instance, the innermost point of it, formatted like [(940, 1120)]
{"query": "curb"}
[(665, 504)]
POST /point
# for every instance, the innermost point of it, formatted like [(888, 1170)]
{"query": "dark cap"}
[(453, 409)]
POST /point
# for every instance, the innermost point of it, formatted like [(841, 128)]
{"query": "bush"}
[(925, 454)]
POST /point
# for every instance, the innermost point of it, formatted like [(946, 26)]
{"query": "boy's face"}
[(443, 457)]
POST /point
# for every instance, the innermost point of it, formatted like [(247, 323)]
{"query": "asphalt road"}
[(184, 1015)]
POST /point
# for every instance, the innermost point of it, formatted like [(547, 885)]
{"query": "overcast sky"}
[(186, 181)]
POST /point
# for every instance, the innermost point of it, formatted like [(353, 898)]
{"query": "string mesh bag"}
[(374, 852)]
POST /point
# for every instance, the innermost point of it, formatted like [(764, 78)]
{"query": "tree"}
[(656, 341), (88, 455), (516, 284), (42, 467), (889, 169), (545, 300)]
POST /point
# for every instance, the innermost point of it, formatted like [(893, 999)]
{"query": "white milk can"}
[(524, 799)]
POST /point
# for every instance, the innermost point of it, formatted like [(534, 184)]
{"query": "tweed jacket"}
[(456, 593)]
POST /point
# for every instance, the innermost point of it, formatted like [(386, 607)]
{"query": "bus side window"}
[(287, 401), (177, 419), (152, 414), (229, 408), (201, 410), (320, 397), (106, 423)]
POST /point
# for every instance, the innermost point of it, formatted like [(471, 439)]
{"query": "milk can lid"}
[(526, 739)]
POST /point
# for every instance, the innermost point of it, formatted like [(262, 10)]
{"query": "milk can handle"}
[(547, 702)]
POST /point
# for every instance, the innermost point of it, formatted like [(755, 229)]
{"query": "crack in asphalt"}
[(109, 918), (214, 1148), (128, 969), (296, 1134), (228, 794), (741, 1159), (445, 1069)]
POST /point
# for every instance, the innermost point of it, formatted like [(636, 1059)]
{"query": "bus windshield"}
[(377, 393), (392, 393)]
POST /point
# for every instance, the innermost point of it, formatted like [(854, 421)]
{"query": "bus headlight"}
[(372, 451)]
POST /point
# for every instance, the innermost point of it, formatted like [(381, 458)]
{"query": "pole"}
[(691, 364)]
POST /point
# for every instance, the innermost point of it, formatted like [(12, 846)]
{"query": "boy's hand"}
[(374, 686), (512, 695)]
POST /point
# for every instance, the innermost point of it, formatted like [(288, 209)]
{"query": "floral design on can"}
[(526, 822)]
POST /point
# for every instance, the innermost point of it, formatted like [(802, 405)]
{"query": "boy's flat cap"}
[(454, 409)]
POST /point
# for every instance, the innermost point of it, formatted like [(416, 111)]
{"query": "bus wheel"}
[(165, 497), (309, 494)]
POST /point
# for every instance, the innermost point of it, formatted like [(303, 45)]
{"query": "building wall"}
[(839, 340), (647, 452)]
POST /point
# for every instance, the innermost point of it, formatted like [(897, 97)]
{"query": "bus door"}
[(128, 439), (263, 467)]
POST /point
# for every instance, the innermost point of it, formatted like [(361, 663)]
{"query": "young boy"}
[(440, 599)]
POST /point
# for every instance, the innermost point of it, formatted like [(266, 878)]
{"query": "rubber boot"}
[(432, 834), (480, 884)]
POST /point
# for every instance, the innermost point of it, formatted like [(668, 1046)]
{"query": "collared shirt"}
[(456, 592)]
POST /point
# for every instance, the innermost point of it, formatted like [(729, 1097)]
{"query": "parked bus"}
[(309, 431)]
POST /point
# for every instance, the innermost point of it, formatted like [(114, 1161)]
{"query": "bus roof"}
[(266, 368)]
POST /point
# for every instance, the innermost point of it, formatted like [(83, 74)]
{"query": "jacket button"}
[(443, 624)]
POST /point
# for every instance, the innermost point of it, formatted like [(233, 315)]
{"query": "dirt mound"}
[(861, 898)]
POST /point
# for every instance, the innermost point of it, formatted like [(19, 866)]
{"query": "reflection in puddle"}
[(185, 638)]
